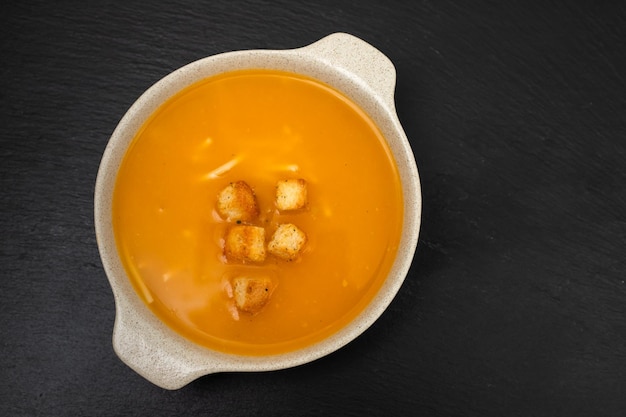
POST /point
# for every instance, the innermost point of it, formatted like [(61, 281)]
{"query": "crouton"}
[(245, 243), (291, 194), (251, 294), (287, 242), (237, 202)]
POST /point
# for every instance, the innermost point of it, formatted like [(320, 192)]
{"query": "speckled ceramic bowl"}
[(345, 62)]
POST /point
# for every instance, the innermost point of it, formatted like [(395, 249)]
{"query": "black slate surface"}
[(516, 301)]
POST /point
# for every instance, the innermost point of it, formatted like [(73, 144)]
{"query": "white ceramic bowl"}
[(345, 62)]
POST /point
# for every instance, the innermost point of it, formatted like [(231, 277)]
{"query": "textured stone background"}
[(516, 301)]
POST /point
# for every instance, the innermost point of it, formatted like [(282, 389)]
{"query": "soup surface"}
[(257, 126)]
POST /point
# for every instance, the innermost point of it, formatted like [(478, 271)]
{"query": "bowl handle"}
[(140, 344), (365, 64)]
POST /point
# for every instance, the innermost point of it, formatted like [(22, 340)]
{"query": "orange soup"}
[(261, 127)]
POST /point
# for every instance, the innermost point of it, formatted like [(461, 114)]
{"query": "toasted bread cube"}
[(245, 243), (291, 194), (287, 242), (251, 294), (237, 202)]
